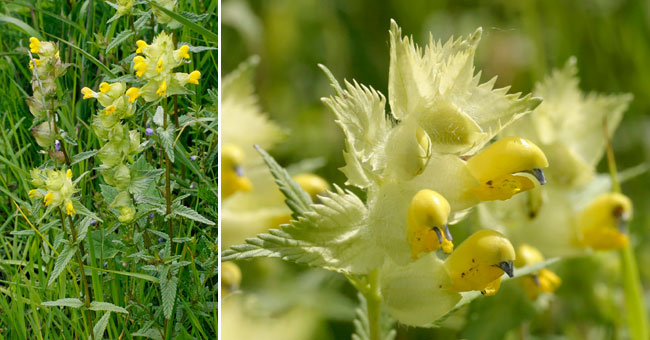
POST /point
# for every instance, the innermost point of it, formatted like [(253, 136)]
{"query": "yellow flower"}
[(603, 223), (104, 87), (141, 45), (232, 172), (162, 89), (69, 208), (68, 174), (480, 261), (427, 223), (542, 281), (34, 45), (314, 185), (88, 93), (48, 198), (109, 109), (140, 68), (194, 77), (133, 94), (501, 166), (182, 52), (159, 65), (36, 61), (34, 193)]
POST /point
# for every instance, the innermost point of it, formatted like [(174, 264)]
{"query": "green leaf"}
[(21, 26), (142, 175), (168, 283), (82, 229), (297, 199), (188, 23), (82, 156), (167, 140), (64, 257), (106, 306), (183, 211), (331, 235), (150, 333), (100, 326), (66, 302), (83, 211), (119, 39)]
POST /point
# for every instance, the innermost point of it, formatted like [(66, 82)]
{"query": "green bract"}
[(438, 112)]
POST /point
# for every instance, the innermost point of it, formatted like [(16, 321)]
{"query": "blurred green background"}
[(522, 42)]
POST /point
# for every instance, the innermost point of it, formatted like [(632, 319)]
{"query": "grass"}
[(124, 264)]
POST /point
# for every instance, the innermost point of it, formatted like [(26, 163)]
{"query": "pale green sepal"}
[(418, 293), (446, 174)]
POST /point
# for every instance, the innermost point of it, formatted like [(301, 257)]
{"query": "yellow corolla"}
[(232, 173), (603, 223), (314, 185), (480, 261), (543, 280), (502, 168), (427, 223), (230, 277)]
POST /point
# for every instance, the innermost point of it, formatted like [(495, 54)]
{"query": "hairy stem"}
[(637, 319)]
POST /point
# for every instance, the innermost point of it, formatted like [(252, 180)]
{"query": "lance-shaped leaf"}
[(64, 257), (331, 235), (65, 302), (360, 112)]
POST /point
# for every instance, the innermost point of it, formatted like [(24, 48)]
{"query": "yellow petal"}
[(183, 52), (194, 77), (104, 87), (109, 109), (141, 45), (69, 209), (88, 93), (48, 198), (34, 45), (162, 90), (133, 93), (159, 65), (68, 174)]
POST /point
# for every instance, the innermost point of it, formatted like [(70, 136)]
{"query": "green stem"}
[(637, 318), (373, 299), (84, 280), (168, 170)]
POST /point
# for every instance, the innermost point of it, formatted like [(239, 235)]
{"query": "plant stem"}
[(84, 280), (634, 300), (373, 299), (168, 169)]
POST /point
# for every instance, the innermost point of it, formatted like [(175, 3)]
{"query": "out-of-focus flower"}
[(251, 201), (568, 127), (542, 281)]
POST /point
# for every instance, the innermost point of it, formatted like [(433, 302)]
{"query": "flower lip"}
[(507, 267), (539, 175), (239, 170)]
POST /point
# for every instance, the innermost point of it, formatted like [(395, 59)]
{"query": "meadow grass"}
[(115, 262)]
